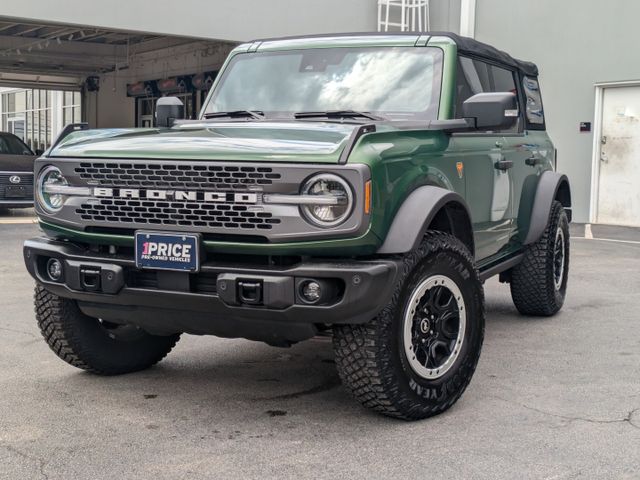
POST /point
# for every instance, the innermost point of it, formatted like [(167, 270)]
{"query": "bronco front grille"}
[(173, 175), (151, 212), (222, 200)]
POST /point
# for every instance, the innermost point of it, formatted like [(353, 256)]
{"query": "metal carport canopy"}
[(229, 20), (40, 81)]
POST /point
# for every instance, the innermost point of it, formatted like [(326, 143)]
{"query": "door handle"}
[(503, 165), (533, 161)]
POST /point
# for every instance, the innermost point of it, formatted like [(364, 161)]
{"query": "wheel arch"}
[(428, 208), (551, 187), (563, 195)]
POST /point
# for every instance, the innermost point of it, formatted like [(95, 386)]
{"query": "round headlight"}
[(50, 177), (336, 203)]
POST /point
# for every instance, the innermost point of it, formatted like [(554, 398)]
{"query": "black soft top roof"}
[(466, 45), (475, 48)]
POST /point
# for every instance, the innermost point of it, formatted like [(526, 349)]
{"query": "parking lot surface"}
[(555, 398)]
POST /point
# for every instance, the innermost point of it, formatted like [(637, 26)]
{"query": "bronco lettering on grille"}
[(180, 195)]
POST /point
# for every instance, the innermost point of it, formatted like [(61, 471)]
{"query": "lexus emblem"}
[(15, 179)]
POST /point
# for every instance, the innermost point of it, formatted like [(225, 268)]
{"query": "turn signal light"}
[(367, 197)]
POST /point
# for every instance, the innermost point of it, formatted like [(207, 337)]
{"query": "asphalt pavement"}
[(553, 398)]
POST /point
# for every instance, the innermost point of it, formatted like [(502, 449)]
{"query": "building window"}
[(71, 108), (37, 116)]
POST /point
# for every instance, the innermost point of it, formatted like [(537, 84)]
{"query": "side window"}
[(4, 146), (475, 76), (503, 80), (535, 112), (468, 82)]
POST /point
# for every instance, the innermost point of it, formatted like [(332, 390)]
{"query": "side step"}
[(501, 266)]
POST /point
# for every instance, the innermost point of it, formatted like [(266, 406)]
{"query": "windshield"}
[(10, 145), (398, 83)]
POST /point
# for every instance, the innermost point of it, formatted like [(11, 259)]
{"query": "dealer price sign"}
[(167, 251)]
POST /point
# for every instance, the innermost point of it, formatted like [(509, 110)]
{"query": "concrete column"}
[(56, 113), (468, 18)]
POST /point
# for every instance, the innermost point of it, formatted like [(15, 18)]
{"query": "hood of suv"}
[(16, 163), (318, 142)]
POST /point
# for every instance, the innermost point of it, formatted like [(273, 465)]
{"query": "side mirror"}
[(39, 151), (168, 110), (492, 111)]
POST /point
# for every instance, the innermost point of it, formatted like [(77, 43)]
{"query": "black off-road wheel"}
[(416, 358), (539, 282), (99, 347)]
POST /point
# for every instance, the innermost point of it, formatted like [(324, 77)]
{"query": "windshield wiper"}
[(339, 114), (255, 114)]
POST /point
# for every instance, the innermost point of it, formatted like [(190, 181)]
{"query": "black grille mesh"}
[(187, 175), (153, 212), (26, 180)]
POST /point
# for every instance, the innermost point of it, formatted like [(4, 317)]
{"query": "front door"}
[(145, 110), (146, 121), (488, 186), (619, 179), (486, 156)]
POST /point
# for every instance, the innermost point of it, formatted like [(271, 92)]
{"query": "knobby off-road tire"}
[(375, 363), (539, 282), (98, 347)]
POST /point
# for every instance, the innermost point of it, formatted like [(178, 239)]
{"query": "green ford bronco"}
[(362, 186)]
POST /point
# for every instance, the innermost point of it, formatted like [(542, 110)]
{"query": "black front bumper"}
[(16, 203), (209, 302)]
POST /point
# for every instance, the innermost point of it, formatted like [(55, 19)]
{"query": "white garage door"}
[(619, 187)]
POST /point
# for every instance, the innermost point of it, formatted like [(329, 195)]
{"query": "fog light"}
[(311, 291), (54, 269)]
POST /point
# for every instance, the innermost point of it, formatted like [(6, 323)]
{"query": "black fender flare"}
[(416, 214), (546, 192)]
